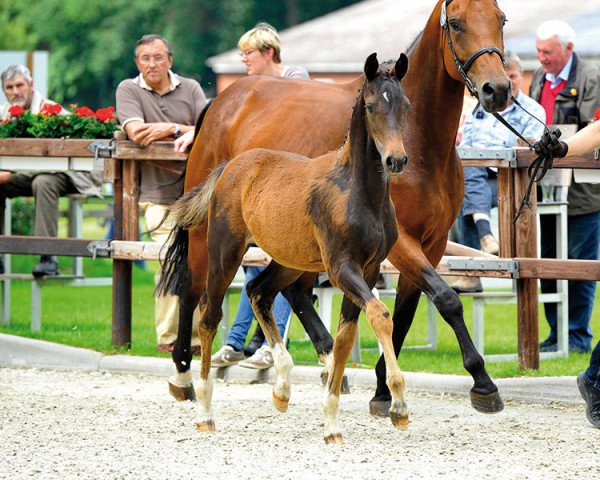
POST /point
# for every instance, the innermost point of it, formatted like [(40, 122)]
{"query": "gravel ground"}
[(98, 425)]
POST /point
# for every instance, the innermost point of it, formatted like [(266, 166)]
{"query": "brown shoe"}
[(467, 285), (489, 244), (166, 347)]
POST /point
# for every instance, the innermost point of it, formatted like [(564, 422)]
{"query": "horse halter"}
[(463, 68)]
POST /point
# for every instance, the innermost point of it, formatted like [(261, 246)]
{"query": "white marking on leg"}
[(183, 379), (331, 407), (204, 392), (283, 364)]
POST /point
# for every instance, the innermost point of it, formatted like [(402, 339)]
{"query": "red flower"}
[(84, 112), (105, 114), (597, 115), (16, 110), (51, 109), (6, 121)]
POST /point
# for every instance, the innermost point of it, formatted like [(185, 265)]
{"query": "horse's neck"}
[(440, 96)]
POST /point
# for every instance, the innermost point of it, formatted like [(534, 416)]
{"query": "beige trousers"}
[(166, 308)]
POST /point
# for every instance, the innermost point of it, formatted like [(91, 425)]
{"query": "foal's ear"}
[(401, 66), (371, 66)]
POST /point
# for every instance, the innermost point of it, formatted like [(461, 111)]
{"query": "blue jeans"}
[(592, 374), (481, 194), (584, 240), (245, 314)]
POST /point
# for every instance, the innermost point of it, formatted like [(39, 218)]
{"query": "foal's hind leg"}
[(262, 291), (225, 259)]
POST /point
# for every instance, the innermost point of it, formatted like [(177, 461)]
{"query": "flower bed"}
[(82, 122)]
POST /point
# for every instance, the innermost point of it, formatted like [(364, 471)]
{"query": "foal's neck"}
[(363, 158)]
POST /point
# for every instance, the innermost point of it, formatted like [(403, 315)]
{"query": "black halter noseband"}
[(463, 68)]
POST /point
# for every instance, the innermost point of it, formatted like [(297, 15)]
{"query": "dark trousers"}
[(46, 188)]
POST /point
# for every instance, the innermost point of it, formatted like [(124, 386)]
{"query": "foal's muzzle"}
[(395, 163)]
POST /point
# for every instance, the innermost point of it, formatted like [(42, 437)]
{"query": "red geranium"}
[(16, 110), (51, 109), (84, 112), (105, 114), (597, 115)]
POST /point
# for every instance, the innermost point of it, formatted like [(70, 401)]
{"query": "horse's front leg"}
[(262, 291), (348, 277), (484, 394)]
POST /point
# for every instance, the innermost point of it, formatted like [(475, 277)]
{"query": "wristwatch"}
[(177, 132)]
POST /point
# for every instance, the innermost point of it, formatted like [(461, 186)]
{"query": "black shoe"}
[(592, 400), (548, 345), (255, 343), (47, 266)]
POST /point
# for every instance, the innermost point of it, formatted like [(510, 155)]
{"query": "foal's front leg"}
[(351, 282)]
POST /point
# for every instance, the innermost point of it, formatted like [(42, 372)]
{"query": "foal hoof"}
[(380, 408), (181, 394), (206, 426), (345, 385), (334, 439), (487, 403), (281, 404), (399, 421)]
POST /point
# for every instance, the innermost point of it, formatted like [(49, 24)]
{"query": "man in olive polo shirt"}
[(160, 105)]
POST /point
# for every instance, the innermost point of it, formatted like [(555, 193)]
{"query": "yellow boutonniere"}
[(573, 91)]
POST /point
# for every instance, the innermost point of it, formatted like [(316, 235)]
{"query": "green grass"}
[(82, 316)]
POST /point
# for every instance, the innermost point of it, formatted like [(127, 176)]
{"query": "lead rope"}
[(538, 168)]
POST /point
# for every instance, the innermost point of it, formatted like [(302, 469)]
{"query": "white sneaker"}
[(226, 356), (261, 360)]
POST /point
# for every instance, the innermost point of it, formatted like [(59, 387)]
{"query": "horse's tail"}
[(174, 266), (191, 210)]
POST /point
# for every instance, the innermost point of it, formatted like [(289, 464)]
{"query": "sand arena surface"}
[(98, 425)]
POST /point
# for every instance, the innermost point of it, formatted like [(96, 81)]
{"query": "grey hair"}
[(559, 29), (149, 38), (510, 59), (13, 70)]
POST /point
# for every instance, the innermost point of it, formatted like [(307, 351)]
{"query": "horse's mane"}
[(414, 43)]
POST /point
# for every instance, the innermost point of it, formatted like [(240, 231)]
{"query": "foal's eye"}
[(455, 25), (370, 107)]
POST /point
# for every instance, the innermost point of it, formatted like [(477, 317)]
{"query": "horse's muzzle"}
[(395, 163)]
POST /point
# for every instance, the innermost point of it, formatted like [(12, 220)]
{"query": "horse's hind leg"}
[(299, 294), (262, 291)]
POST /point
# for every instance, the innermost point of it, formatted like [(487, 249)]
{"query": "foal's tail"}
[(189, 211)]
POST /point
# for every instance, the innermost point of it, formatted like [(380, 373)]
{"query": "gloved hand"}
[(550, 143)]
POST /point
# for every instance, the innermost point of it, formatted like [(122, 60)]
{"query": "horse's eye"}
[(455, 25), (504, 22), (370, 107)]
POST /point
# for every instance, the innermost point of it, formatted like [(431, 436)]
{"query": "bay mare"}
[(462, 42)]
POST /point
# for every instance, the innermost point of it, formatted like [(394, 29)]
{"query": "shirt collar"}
[(563, 74), (173, 82)]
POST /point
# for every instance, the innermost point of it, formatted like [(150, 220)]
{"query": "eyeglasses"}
[(246, 53), (145, 59)]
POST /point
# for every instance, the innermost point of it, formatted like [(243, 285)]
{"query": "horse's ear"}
[(371, 66), (401, 66)]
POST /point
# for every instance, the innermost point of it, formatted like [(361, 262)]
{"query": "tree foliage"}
[(91, 41)]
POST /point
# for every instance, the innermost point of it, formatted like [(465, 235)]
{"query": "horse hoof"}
[(281, 404), (181, 394), (399, 421), (380, 408), (345, 385), (334, 439), (487, 403), (206, 426)]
